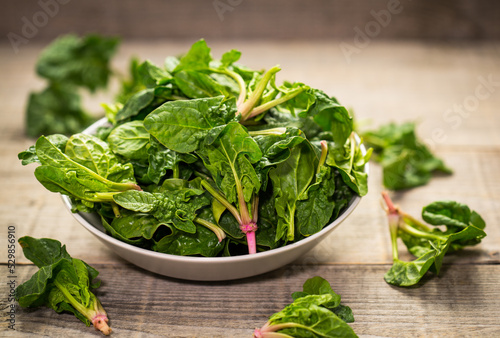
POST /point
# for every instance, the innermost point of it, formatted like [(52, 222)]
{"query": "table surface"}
[(451, 90)]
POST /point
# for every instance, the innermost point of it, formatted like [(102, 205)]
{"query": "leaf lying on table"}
[(463, 227), (315, 312), (405, 160), (62, 283)]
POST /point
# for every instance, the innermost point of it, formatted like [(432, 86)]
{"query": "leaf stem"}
[(322, 158), (208, 187), (239, 80), (268, 105), (273, 131), (413, 221), (419, 233), (209, 225), (252, 100)]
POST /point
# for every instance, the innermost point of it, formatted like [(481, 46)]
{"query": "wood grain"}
[(384, 82), (140, 304)]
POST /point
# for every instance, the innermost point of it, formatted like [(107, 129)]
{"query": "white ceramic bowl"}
[(206, 268)]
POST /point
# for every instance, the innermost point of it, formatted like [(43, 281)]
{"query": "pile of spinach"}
[(69, 64), (207, 152), (406, 161), (315, 312), (460, 227), (62, 283)]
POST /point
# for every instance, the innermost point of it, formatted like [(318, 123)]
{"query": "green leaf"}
[(331, 116), (56, 110), (229, 159), (406, 161), (29, 155), (85, 62), (228, 58), (130, 140), (182, 125), (198, 85), (151, 75), (351, 164), (449, 213), (136, 225), (409, 273), (310, 319), (177, 206), (115, 234), (136, 200), (290, 180), (135, 104), (43, 251), (202, 242), (198, 57), (162, 159), (314, 212), (95, 155), (62, 282)]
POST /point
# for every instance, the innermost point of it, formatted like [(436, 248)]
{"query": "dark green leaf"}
[(85, 62), (182, 125)]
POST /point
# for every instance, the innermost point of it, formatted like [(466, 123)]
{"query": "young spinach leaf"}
[(430, 245), (406, 161), (313, 313), (62, 283)]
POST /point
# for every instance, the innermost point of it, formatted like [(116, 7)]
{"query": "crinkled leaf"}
[(202, 242), (78, 61)]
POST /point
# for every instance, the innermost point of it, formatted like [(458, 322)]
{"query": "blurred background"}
[(450, 20)]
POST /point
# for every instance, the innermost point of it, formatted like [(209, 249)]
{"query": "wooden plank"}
[(472, 149), (139, 303)]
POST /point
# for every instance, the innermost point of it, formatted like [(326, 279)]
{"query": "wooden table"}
[(383, 82)]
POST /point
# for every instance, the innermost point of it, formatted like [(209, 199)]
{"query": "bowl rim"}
[(201, 259)]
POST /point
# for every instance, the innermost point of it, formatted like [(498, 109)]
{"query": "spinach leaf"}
[(351, 165), (135, 104), (78, 61), (88, 172), (176, 206), (229, 159), (62, 283), (312, 314), (56, 110), (290, 181), (29, 155), (331, 117), (182, 125), (406, 161), (162, 159), (314, 212), (197, 58), (130, 140), (201, 242), (198, 85), (429, 245), (319, 286)]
